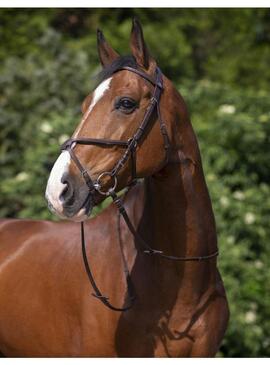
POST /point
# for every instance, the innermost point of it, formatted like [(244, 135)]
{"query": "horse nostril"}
[(67, 192), (65, 189)]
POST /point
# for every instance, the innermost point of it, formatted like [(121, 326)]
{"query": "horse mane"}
[(120, 62)]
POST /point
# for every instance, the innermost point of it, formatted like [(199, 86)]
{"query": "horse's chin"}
[(82, 215), (84, 211), (79, 215)]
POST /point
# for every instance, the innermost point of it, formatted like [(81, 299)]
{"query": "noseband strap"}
[(130, 147)]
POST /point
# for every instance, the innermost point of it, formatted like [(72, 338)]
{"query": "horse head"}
[(103, 156)]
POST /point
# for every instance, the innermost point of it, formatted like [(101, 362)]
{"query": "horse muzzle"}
[(67, 196)]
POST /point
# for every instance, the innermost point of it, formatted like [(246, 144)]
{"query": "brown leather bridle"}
[(130, 147)]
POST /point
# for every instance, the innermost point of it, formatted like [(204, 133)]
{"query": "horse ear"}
[(106, 53), (138, 46)]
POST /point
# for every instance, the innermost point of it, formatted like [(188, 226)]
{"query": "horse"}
[(153, 251)]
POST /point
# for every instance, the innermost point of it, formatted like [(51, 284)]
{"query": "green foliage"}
[(234, 140), (219, 59)]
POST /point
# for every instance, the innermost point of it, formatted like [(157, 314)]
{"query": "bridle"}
[(130, 147)]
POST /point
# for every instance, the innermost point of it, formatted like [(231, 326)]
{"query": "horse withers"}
[(134, 125)]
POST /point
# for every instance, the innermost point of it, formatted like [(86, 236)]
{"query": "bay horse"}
[(153, 252)]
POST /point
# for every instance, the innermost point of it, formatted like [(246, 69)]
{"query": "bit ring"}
[(98, 185)]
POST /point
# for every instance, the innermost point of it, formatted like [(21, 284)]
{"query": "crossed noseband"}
[(130, 146)]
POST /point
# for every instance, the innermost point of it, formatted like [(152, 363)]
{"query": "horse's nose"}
[(67, 195)]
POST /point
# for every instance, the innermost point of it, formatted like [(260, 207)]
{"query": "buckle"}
[(153, 100), (132, 141), (153, 252)]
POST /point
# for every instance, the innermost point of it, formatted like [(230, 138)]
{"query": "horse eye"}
[(126, 104)]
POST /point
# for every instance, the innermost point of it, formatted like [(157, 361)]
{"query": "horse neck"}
[(176, 199)]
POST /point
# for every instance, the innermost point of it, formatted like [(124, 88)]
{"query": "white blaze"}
[(55, 186), (98, 93)]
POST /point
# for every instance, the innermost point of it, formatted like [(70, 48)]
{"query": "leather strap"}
[(97, 293), (149, 250), (93, 141), (140, 73)]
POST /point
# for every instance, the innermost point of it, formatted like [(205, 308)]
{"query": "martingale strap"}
[(97, 293), (147, 249)]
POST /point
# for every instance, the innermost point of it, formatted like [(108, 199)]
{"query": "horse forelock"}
[(120, 62)]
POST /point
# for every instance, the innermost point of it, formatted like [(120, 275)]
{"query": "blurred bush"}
[(219, 62), (233, 128)]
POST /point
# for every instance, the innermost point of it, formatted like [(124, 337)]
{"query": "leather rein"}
[(130, 147)]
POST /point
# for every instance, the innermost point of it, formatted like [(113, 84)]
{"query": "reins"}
[(130, 147)]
